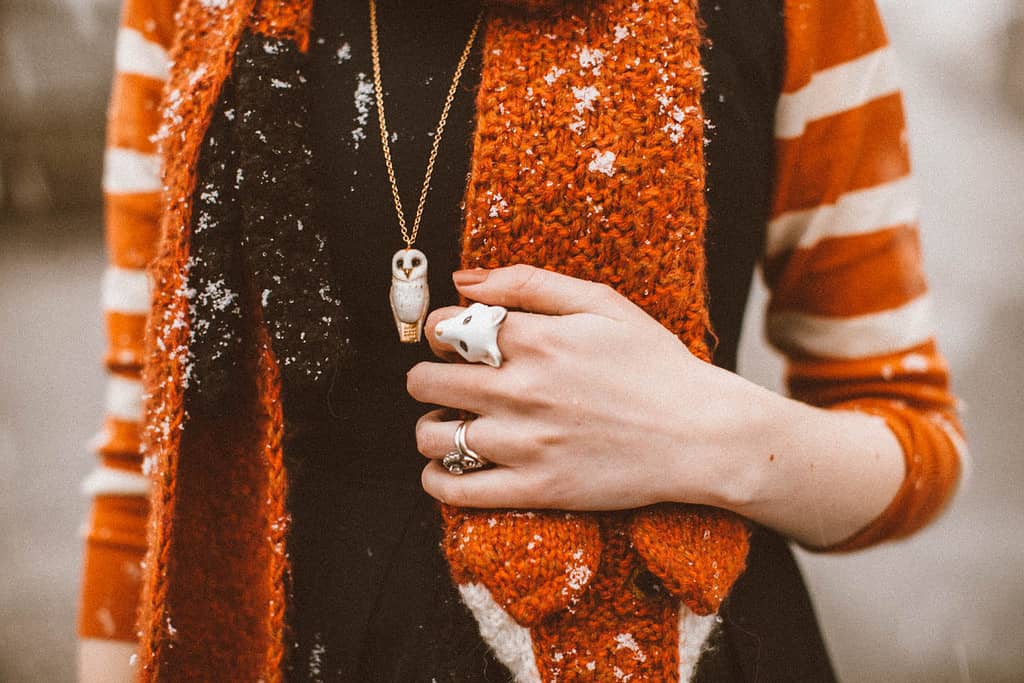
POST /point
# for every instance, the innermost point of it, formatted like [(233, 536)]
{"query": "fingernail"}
[(470, 277)]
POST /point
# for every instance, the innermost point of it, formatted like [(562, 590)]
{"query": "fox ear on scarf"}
[(601, 103)]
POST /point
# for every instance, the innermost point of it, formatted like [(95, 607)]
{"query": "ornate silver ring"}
[(463, 458)]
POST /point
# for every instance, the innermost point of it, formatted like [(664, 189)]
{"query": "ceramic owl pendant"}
[(410, 297)]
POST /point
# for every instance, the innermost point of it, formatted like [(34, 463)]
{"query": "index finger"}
[(541, 291)]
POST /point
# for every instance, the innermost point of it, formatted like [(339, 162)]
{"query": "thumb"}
[(536, 290)]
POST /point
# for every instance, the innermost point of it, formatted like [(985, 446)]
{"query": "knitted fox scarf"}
[(589, 127)]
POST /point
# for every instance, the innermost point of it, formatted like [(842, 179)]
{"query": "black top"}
[(372, 600)]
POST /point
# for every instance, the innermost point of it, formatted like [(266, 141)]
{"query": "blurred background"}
[(947, 605)]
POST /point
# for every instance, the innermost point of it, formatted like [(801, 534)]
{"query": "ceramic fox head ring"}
[(474, 333)]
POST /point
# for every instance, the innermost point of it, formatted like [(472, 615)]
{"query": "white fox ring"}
[(474, 333)]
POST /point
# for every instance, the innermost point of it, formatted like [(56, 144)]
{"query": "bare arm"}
[(599, 407)]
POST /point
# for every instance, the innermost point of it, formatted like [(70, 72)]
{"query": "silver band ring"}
[(463, 459)]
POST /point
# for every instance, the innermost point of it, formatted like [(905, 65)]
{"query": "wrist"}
[(817, 475), (748, 449), (731, 458), (762, 451)]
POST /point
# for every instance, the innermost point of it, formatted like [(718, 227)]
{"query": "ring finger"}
[(435, 437)]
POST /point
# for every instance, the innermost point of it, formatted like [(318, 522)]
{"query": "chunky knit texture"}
[(587, 159), (573, 170), (226, 603)]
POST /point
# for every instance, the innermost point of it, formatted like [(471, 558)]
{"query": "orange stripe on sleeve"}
[(132, 228), (933, 468), (856, 149), (112, 569), (916, 374), (154, 19), (910, 390), (125, 334), (116, 530), (133, 115), (820, 35), (855, 275)]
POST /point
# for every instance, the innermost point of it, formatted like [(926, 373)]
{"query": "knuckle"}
[(521, 271), (550, 339), (520, 333), (421, 432), (526, 388), (524, 276), (512, 385), (605, 292), (544, 488), (452, 494), (427, 481), (421, 447), (415, 380), (548, 439)]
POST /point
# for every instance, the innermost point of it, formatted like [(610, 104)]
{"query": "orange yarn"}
[(574, 169), (210, 577)]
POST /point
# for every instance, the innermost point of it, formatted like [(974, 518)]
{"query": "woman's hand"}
[(596, 406)]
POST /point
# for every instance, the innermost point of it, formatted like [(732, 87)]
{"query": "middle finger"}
[(519, 334)]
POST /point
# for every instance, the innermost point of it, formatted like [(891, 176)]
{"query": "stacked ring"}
[(463, 458)]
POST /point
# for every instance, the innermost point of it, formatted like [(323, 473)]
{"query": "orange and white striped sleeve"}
[(116, 529), (849, 304)]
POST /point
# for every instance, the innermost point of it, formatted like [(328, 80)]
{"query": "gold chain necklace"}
[(409, 295)]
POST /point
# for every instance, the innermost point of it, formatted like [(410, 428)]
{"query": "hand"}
[(596, 406)]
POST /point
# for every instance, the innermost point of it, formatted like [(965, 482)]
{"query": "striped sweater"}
[(849, 301)]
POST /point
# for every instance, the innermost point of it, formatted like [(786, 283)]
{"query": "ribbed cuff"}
[(931, 476)]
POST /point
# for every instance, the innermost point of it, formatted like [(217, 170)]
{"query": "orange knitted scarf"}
[(587, 159)]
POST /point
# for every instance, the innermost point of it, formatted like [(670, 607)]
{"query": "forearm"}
[(817, 476)]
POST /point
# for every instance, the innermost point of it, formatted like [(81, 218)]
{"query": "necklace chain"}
[(410, 237)]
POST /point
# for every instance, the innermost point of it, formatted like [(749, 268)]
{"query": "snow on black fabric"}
[(215, 279), (269, 255)]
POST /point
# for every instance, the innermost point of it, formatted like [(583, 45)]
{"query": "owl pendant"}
[(409, 295)]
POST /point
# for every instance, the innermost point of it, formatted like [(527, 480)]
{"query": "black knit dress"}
[(372, 600)]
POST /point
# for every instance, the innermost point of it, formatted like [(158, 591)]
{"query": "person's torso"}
[(370, 590)]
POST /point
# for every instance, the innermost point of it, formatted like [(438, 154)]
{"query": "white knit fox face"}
[(575, 598)]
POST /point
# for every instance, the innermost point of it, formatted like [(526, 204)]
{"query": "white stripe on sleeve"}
[(134, 54), (126, 290), (858, 336), (109, 481), (124, 398), (126, 171), (857, 212), (837, 89)]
